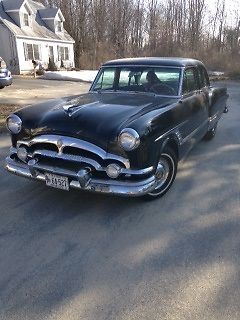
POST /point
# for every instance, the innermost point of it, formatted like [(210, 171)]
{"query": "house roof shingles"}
[(38, 28), (12, 5), (47, 13)]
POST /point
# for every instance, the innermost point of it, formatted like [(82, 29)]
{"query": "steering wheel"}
[(161, 88)]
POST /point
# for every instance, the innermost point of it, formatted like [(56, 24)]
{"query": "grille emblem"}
[(60, 145)]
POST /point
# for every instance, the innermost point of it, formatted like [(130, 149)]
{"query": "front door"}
[(51, 53)]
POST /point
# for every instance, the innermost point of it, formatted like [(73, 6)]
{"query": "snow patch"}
[(83, 75)]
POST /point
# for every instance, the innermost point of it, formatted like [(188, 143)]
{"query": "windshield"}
[(158, 80)]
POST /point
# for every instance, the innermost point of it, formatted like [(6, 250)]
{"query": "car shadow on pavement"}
[(85, 248)]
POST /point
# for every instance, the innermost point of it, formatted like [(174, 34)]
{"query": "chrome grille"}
[(72, 150)]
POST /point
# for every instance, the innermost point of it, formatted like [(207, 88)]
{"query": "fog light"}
[(22, 154), (113, 171)]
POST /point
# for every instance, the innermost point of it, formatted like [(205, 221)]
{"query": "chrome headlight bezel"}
[(129, 139), (14, 124)]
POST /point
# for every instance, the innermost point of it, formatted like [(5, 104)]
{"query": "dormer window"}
[(59, 26), (26, 16), (26, 19), (53, 18)]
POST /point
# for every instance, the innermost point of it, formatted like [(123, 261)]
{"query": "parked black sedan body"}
[(126, 135)]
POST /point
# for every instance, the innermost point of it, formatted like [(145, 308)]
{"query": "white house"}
[(30, 31)]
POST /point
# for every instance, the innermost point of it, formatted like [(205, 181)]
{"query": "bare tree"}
[(104, 30)]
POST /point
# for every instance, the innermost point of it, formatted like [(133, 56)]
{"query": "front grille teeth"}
[(72, 150)]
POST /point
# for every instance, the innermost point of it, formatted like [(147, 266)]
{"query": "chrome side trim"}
[(128, 188), (176, 131), (188, 137), (76, 143), (172, 130), (214, 119)]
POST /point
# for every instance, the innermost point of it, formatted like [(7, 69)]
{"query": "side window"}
[(203, 78), (123, 78), (189, 80)]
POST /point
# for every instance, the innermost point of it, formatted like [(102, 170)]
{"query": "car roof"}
[(161, 61)]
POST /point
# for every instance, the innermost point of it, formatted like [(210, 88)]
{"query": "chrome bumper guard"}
[(81, 180)]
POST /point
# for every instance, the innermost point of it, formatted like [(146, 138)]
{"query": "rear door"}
[(217, 97), (195, 106)]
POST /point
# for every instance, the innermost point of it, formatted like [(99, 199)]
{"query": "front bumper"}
[(110, 186)]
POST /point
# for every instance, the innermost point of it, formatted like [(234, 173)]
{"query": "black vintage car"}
[(126, 135)]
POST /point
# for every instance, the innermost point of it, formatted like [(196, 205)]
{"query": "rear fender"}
[(217, 101)]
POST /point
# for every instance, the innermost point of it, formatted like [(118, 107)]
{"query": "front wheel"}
[(165, 174)]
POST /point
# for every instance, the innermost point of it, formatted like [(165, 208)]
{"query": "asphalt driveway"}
[(83, 256), (27, 90)]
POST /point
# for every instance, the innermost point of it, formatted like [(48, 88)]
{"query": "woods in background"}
[(106, 30)]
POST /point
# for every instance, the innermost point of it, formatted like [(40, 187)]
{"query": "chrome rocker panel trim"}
[(109, 186)]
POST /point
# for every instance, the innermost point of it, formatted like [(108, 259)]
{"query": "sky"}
[(232, 10)]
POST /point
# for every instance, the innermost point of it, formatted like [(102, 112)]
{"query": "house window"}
[(63, 53), (32, 51), (36, 51), (66, 52), (26, 19)]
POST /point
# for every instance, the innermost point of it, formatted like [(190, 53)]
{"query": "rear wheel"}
[(211, 133), (165, 174)]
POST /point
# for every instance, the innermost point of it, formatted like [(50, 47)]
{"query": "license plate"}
[(2, 75), (56, 181)]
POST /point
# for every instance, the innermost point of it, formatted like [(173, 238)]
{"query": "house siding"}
[(16, 30), (27, 66)]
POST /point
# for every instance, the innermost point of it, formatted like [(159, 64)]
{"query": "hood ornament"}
[(70, 109)]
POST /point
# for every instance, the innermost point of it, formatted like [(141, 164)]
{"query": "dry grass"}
[(5, 110)]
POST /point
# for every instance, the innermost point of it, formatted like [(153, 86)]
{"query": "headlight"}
[(129, 139), (113, 170), (14, 124)]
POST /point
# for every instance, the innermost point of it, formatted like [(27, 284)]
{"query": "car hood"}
[(94, 117)]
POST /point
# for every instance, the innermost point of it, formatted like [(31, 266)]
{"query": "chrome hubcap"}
[(164, 174)]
